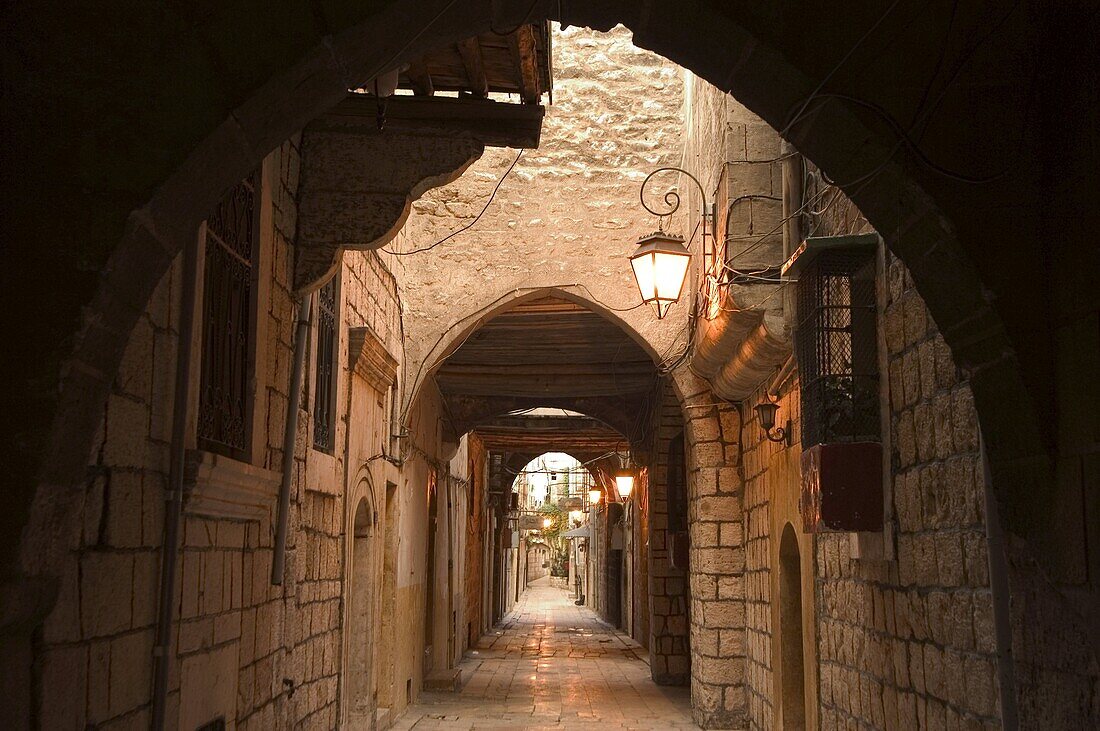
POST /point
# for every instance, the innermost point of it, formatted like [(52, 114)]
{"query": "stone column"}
[(716, 528)]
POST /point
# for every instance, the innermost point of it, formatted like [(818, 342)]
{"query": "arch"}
[(458, 332), (792, 683), (176, 173), (299, 77), (527, 459), (363, 594)]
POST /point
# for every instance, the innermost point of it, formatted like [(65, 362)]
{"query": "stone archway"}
[(148, 183), (288, 92), (361, 634)]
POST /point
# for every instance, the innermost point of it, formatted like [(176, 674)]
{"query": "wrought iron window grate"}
[(227, 327), (836, 343), (325, 387)]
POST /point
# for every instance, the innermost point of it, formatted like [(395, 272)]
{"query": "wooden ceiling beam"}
[(420, 79), (525, 55), (494, 124), (470, 51)]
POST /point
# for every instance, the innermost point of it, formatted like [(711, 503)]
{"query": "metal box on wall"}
[(842, 487)]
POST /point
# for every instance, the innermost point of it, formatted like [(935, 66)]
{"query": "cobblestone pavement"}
[(553, 665)]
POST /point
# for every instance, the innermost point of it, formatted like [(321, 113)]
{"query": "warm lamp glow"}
[(594, 496), (546, 522), (660, 266), (624, 483)]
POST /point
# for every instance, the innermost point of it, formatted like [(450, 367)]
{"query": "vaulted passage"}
[(344, 389)]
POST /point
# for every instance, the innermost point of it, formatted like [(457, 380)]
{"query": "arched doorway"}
[(792, 682), (959, 302), (361, 617)]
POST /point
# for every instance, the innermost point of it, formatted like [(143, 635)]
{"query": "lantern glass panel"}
[(669, 272), (624, 484), (645, 274)]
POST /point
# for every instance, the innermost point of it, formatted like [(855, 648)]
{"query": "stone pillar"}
[(716, 529)]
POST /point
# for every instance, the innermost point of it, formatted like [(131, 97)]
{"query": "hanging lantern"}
[(624, 482), (594, 496), (660, 266)]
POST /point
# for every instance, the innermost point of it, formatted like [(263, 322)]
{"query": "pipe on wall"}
[(290, 432), (792, 203), (174, 498)]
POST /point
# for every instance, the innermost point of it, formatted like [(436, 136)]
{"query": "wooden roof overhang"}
[(549, 352), (581, 436), (518, 62), (493, 123)]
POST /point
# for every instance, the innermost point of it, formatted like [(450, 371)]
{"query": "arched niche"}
[(792, 664)]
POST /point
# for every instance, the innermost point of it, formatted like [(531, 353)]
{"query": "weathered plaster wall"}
[(568, 214)]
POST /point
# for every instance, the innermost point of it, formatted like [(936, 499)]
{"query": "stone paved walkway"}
[(553, 665)]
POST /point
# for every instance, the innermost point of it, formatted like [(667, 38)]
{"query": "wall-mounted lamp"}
[(661, 260), (546, 522), (766, 411), (624, 482), (660, 265), (594, 496)]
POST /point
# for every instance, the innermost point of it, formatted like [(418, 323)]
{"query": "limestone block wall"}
[(568, 214), (669, 652), (772, 488), (259, 656), (717, 554), (902, 642)]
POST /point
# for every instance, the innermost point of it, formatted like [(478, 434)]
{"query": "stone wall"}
[(567, 216), (669, 651), (901, 639), (940, 638), (259, 655), (477, 534)]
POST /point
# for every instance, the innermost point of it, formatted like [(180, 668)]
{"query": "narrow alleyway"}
[(552, 664)]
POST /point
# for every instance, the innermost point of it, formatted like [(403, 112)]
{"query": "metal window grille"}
[(325, 386), (836, 342), (227, 328)]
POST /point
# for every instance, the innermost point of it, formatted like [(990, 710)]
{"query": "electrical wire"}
[(787, 127), (471, 224)]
